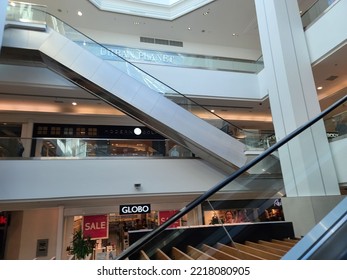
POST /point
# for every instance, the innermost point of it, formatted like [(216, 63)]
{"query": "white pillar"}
[(306, 163), (26, 137), (60, 233)]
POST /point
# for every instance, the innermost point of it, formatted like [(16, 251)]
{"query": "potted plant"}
[(81, 246)]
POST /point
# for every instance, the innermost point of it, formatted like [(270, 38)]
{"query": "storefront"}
[(242, 211), (108, 232)]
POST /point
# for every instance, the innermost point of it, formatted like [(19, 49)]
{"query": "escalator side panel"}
[(104, 80)]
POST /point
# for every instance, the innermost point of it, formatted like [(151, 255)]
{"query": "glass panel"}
[(26, 12), (10, 142), (89, 148), (315, 11), (336, 125)]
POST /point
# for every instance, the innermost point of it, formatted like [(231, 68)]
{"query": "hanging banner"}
[(163, 216), (95, 226)]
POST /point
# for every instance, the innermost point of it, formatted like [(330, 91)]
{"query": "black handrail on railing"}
[(135, 246)]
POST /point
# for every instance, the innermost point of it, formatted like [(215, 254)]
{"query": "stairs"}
[(249, 250)]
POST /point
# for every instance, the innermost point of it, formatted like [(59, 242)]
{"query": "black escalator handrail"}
[(149, 75), (135, 246)]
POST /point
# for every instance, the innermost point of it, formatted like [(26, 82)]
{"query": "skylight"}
[(160, 9)]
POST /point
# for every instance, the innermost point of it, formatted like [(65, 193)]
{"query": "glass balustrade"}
[(14, 147), (315, 11)]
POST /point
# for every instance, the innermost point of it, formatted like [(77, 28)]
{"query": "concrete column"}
[(306, 212), (60, 233), (306, 162), (26, 137)]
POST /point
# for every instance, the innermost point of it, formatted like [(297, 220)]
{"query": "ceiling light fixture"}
[(79, 13), (319, 88), (74, 103), (137, 131)]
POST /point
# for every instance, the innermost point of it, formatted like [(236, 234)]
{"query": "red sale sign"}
[(95, 226), (163, 216)]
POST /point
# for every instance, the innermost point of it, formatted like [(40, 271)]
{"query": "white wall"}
[(328, 32), (41, 179), (37, 224), (105, 178)]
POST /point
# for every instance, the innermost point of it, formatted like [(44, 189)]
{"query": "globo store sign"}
[(134, 209)]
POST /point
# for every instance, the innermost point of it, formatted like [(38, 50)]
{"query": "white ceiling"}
[(224, 18)]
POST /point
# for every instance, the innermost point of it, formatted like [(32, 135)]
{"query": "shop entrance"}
[(109, 245)]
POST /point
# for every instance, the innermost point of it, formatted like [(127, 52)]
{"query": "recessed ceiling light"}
[(189, 28), (319, 88), (79, 13), (212, 111), (235, 34), (206, 13), (74, 103)]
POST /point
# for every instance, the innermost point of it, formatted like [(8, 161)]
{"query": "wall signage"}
[(95, 226), (42, 248), (163, 216), (3, 220), (134, 209)]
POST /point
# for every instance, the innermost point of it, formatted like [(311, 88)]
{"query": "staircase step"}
[(160, 255), (216, 253), (283, 242), (266, 248), (143, 255), (179, 255), (196, 254), (258, 252), (237, 253), (291, 241), (285, 248)]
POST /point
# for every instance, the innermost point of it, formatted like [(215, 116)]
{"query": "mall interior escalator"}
[(137, 94), (119, 83)]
